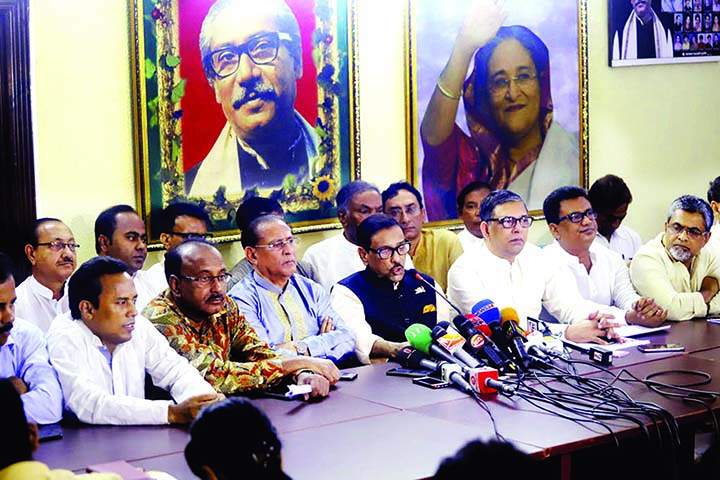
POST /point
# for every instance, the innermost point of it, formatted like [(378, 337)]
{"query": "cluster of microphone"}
[(474, 351)]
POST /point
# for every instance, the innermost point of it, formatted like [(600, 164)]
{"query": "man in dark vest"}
[(380, 302)]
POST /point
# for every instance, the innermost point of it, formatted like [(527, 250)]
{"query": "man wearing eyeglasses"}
[(290, 312), (601, 275), (206, 326), (432, 251), (252, 56), (514, 274), (51, 250), (380, 302), (675, 269), (177, 222)]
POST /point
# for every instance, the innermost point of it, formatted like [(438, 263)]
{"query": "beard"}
[(681, 254)]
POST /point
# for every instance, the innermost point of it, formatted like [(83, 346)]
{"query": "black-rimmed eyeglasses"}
[(577, 217), (692, 232), (261, 48), (386, 252), (509, 222), (193, 236)]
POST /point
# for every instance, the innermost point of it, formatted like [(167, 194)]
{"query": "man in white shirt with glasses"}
[(252, 57), (514, 274)]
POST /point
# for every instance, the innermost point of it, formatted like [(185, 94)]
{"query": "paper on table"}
[(629, 342), (638, 330)]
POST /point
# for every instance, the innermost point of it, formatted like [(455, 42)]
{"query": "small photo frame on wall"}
[(262, 102), (652, 32), (516, 119)]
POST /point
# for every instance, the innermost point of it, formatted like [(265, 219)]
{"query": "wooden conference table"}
[(383, 427)]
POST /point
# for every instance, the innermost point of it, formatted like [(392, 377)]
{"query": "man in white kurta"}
[(676, 268), (600, 274), (515, 274), (102, 357), (51, 251)]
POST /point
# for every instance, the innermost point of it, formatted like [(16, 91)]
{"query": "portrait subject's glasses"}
[(386, 252), (194, 236), (262, 49), (509, 222), (280, 244), (577, 217), (692, 232), (208, 279), (59, 246), (499, 85)]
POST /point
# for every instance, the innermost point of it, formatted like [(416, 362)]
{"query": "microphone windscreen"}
[(509, 314), (479, 324), (419, 337), (487, 311), (410, 357)]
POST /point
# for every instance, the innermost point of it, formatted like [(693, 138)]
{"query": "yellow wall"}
[(651, 125)]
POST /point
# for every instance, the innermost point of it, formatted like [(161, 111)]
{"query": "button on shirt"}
[(607, 283), (99, 394), (269, 309), (35, 303), (25, 356), (527, 284)]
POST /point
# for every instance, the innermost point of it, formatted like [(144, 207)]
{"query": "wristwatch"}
[(302, 349)]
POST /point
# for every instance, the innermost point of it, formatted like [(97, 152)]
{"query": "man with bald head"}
[(288, 311), (51, 250), (252, 55), (120, 234), (205, 326)]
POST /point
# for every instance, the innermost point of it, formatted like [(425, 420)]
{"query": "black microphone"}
[(453, 343), (420, 277), (410, 357), (482, 344), (515, 336)]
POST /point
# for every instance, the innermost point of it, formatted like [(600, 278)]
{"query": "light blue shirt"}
[(267, 308), (25, 356)]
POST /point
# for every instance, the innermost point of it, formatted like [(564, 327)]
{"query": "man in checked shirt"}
[(205, 326)]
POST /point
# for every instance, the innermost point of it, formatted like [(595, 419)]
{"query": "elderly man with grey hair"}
[(252, 57), (675, 269), (329, 261)]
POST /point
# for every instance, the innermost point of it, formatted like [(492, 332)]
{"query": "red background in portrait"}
[(202, 117)]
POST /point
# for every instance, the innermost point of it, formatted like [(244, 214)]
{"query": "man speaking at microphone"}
[(513, 273), (380, 302)]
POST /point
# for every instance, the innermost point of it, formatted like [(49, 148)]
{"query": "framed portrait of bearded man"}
[(242, 98), (497, 95)]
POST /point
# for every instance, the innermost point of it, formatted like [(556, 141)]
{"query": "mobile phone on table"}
[(408, 372), (431, 382), (348, 376), (661, 347)]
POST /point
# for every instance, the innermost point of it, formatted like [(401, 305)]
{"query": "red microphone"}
[(485, 380)]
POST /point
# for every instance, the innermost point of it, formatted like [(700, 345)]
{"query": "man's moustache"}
[(6, 328), (264, 91)]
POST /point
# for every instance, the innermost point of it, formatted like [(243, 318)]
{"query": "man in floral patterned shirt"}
[(205, 326)]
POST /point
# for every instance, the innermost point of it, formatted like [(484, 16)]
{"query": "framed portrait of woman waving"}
[(498, 95)]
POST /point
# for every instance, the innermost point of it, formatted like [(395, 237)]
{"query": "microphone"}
[(410, 357), (420, 337), (516, 336), (452, 373), (453, 342), (489, 313), (480, 342), (485, 380), (420, 277)]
